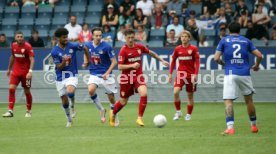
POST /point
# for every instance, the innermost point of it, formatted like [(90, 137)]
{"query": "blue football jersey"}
[(99, 57), (71, 67), (235, 50)]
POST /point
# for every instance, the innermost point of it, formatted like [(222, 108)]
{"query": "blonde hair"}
[(186, 32)]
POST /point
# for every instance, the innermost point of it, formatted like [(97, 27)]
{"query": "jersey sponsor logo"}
[(227, 40), (185, 57), (19, 55), (134, 59), (139, 51), (22, 50), (190, 52), (96, 59)]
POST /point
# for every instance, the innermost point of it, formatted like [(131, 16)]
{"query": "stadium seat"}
[(25, 23), (95, 8), (28, 12), (272, 43), (58, 22), (2, 3), (93, 20), (209, 32), (9, 35), (78, 11), (210, 43), (193, 42), (64, 3), (61, 11), (45, 11), (157, 34), (79, 2), (42, 23), (44, 36), (27, 33), (9, 24), (243, 31), (154, 43), (12, 12), (273, 19), (195, 7), (259, 43)]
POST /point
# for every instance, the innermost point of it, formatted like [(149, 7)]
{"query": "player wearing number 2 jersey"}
[(64, 55), (236, 50)]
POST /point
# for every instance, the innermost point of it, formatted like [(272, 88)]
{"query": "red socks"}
[(11, 99), (29, 100), (177, 105), (117, 107), (142, 105), (190, 109)]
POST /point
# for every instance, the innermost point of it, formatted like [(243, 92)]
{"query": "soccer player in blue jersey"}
[(64, 55), (102, 62), (236, 50)]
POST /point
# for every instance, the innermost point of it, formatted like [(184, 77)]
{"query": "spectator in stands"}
[(175, 5), (73, 28), (107, 34), (266, 5), (3, 41), (222, 34), (172, 14), (273, 35), (120, 34), (35, 40), (111, 18), (107, 2), (192, 15), (15, 3), (202, 41), (222, 17), (260, 21), (176, 26), (241, 7), (250, 33), (140, 19), (85, 35), (158, 19), (140, 34), (128, 7), (195, 1), (53, 41), (146, 6), (125, 20), (272, 11), (171, 41), (193, 29), (185, 12), (243, 19), (228, 9), (28, 3), (212, 7)]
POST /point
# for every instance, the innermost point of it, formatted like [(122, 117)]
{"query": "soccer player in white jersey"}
[(236, 50), (65, 58), (102, 62)]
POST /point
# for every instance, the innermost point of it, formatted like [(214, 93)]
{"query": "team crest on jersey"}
[(60, 54), (71, 51), (101, 52), (227, 40), (120, 58), (190, 52), (22, 50), (139, 51)]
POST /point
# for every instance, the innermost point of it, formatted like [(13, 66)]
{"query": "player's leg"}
[(29, 102), (71, 85), (190, 105), (112, 101), (246, 87), (142, 90), (117, 107), (92, 92), (177, 102), (61, 88), (230, 93), (14, 81)]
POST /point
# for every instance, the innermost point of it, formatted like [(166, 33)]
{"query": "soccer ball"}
[(159, 120)]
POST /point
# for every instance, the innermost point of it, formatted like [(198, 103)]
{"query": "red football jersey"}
[(21, 54), (188, 59), (131, 55)]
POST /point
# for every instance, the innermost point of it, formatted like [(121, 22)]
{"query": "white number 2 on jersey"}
[(237, 48)]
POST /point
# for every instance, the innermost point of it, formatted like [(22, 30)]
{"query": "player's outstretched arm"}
[(154, 55), (10, 65), (259, 56), (173, 62), (111, 67), (85, 58), (128, 66), (217, 58)]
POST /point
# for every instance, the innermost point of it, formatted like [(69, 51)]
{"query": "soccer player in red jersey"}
[(20, 70), (132, 80), (187, 72)]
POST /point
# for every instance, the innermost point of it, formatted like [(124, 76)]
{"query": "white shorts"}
[(61, 85), (109, 84), (232, 84)]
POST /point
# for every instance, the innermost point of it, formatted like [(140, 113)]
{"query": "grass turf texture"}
[(45, 132)]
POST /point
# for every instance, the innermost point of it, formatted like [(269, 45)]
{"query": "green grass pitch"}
[(45, 132)]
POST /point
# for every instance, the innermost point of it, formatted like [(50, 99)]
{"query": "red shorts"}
[(15, 79), (190, 87), (128, 87)]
